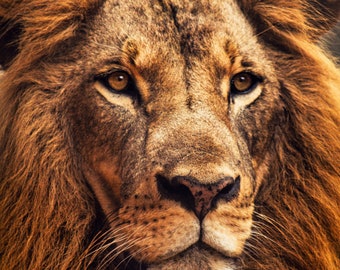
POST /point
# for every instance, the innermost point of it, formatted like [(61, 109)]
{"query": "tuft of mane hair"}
[(48, 214)]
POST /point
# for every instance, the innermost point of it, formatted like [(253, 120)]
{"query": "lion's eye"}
[(243, 82), (118, 81)]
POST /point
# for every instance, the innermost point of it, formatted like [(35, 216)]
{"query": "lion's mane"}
[(48, 214)]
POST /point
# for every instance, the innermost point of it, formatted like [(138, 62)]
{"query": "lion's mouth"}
[(165, 233)]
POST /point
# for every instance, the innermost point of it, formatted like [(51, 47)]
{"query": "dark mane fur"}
[(297, 218)]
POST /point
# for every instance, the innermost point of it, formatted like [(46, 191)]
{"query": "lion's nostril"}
[(196, 196), (175, 191), (230, 191)]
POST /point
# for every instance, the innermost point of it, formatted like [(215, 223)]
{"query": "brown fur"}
[(49, 215)]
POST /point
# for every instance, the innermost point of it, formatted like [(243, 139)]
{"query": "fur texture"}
[(53, 217)]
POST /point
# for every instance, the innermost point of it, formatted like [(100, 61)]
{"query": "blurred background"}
[(333, 42)]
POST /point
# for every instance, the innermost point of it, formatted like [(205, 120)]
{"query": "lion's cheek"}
[(158, 235), (105, 183)]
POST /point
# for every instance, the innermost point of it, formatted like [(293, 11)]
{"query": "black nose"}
[(197, 196)]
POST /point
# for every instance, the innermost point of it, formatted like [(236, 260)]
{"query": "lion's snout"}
[(198, 197)]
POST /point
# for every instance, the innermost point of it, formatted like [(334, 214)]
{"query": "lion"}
[(169, 134)]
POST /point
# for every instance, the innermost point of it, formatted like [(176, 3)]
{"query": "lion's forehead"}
[(185, 34)]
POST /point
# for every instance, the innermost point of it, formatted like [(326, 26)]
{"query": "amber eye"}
[(244, 82), (118, 80)]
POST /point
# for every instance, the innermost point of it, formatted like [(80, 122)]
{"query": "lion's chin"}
[(198, 256)]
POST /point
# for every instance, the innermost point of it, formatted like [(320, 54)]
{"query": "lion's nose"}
[(197, 196)]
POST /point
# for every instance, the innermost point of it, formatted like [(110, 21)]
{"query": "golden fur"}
[(53, 217)]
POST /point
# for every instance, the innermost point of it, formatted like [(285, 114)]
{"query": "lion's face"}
[(170, 127), (169, 134)]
